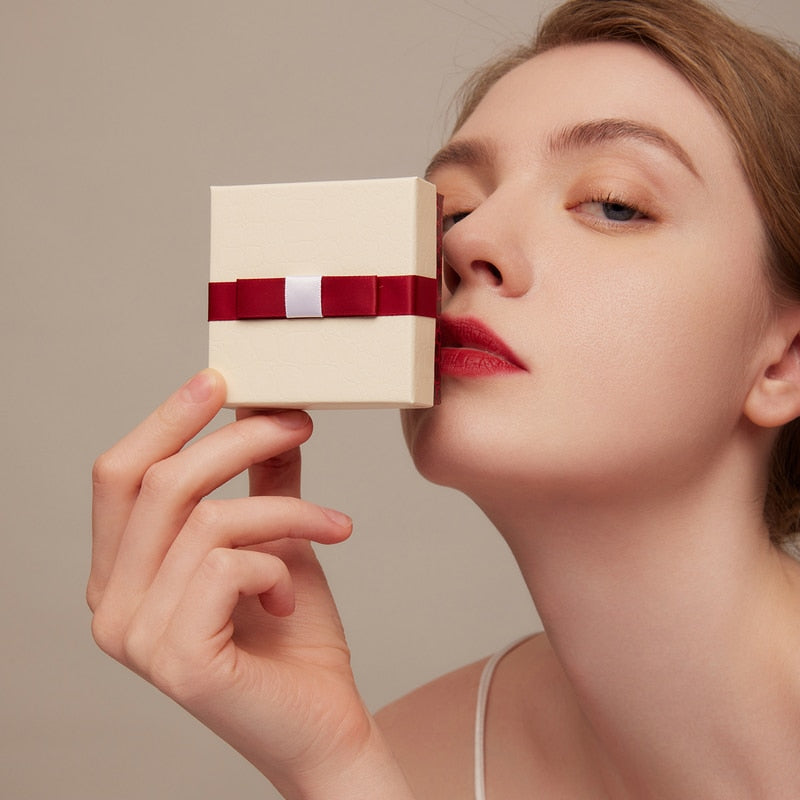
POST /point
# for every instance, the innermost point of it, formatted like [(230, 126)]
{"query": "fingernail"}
[(201, 387), (337, 517), (292, 419)]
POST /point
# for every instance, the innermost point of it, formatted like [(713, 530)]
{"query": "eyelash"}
[(640, 214), (606, 199), (448, 220)]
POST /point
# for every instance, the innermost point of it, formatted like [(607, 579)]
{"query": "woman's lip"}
[(469, 346)]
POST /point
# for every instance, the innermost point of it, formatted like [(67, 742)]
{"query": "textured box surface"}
[(279, 253)]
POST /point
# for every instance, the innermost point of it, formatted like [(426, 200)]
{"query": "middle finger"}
[(173, 487)]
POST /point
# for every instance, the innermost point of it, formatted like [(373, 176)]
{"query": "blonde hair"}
[(753, 82)]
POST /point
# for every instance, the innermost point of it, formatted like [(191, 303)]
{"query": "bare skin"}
[(624, 465), (222, 604), (531, 725), (602, 228)]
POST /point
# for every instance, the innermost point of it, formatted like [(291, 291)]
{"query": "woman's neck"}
[(675, 624)]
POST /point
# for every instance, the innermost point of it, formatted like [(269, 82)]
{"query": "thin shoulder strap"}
[(480, 716)]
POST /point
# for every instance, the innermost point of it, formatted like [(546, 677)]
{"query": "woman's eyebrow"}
[(464, 153), (595, 132)]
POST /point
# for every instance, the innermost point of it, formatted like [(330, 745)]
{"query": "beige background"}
[(115, 117)]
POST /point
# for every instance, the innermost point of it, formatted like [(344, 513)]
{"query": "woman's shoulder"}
[(430, 732)]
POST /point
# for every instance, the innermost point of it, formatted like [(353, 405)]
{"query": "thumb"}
[(280, 475)]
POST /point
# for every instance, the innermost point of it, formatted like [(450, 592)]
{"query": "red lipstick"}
[(470, 349)]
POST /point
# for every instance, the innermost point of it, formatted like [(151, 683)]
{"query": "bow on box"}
[(323, 296)]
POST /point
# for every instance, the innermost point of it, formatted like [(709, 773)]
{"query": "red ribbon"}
[(342, 296)]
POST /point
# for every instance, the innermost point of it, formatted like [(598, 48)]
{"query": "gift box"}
[(326, 294)]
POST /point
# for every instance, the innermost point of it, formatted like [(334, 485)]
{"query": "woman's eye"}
[(451, 219), (611, 210), (619, 212)]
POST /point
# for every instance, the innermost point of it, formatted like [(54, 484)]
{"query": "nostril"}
[(495, 273), (478, 273), (489, 271)]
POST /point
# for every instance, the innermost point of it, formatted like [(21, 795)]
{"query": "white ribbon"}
[(303, 296)]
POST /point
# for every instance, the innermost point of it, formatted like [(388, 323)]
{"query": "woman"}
[(621, 375)]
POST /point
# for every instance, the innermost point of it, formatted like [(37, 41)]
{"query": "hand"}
[(221, 604)]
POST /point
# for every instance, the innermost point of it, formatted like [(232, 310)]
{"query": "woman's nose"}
[(484, 250)]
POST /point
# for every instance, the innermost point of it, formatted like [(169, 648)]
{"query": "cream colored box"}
[(325, 295)]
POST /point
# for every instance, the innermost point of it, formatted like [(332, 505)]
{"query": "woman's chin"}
[(442, 452), (430, 444)]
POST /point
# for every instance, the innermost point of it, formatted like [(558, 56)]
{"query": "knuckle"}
[(283, 461), (160, 479), (106, 632), (208, 516), (277, 475), (131, 643), (107, 470), (134, 647), (145, 651), (218, 565)]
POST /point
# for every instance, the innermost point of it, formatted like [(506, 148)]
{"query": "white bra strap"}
[(480, 716)]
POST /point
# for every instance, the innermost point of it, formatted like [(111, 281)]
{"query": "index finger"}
[(165, 431), (118, 473)]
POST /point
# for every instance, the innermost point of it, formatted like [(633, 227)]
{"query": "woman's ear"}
[(774, 398)]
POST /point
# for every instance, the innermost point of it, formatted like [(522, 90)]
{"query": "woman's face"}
[(599, 225)]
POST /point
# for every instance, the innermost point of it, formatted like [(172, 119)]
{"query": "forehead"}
[(569, 85)]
